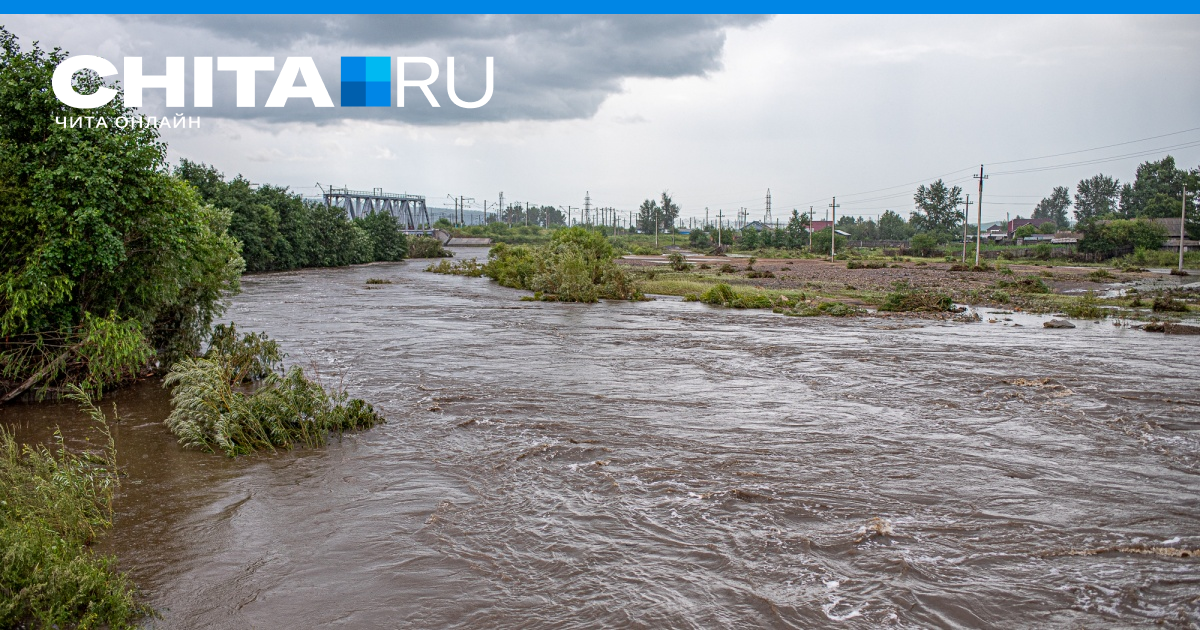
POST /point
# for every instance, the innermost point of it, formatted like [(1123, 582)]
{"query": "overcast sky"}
[(714, 109)]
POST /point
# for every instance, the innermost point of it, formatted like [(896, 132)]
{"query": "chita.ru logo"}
[(365, 81)]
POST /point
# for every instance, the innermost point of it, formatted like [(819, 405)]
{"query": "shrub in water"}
[(427, 247), (211, 414)]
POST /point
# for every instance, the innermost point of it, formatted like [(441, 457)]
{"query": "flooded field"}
[(670, 464)]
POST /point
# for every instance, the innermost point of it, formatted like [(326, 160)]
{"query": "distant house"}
[(817, 226), (1066, 238), (1016, 224), (757, 225), (995, 232), (1173, 224)]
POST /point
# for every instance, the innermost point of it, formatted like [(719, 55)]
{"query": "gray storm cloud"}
[(546, 67)]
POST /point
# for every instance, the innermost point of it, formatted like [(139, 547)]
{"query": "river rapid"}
[(672, 465)]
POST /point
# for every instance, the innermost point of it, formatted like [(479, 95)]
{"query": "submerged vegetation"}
[(55, 503), (427, 247), (212, 411), (575, 266), (906, 299)]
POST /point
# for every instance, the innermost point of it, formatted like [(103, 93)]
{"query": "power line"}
[(1107, 146)]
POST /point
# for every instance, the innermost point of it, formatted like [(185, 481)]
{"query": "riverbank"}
[(1032, 288)]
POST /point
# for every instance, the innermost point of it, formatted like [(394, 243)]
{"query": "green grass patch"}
[(1085, 307)]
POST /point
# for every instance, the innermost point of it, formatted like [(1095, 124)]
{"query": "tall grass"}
[(53, 503), (212, 412)]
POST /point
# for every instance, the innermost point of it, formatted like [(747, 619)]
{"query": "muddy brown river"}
[(673, 465)]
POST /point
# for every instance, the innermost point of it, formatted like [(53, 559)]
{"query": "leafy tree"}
[(1107, 237), (893, 227), (1025, 231), (796, 233), (698, 239), (937, 210), (1157, 189), (1055, 206), (648, 214), (820, 241), (107, 262), (669, 212), (1096, 197), (388, 242), (749, 238)]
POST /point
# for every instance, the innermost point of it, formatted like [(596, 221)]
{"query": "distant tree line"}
[(280, 230)]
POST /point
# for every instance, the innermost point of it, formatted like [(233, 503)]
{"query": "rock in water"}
[(1180, 329), (1058, 323)]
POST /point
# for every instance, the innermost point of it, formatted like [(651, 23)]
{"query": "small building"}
[(1016, 224), (817, 226), (1173, 225)]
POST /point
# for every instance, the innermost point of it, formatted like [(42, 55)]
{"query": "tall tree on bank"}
[(669, 210), (1055, 207), (796, 231), (1157, 190), (937, 210), (648, 214), (1096, 197), (108, 264)]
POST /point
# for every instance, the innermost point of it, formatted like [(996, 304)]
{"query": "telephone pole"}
[(1182, 220), (966, 214), (719, 215), (501, 206), (810, 228), (832, 231), (979, 209)]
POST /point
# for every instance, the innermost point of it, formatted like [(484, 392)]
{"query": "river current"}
[(669, 464)]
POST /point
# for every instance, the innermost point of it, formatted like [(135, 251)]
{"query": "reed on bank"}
[(53, 504)]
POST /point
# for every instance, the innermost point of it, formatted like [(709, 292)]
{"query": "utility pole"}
[(767, 215), (719, 215), (1182, 220), (810, 228), (526, 214), (979, 209), (832, 231), (587, 206), (656, 227), (501, 207), (966, 213)]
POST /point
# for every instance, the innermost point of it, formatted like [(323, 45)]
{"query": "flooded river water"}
[(669, 464)]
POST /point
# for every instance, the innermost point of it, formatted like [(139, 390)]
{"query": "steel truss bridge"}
[(409, 209)]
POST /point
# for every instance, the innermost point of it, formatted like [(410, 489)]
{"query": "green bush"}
[(427, 247), (576, 266), (678, 261), (925, 245), (209, 412), (468, 267), (107, 262), (1167, 304), (55, 503)]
